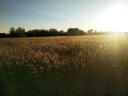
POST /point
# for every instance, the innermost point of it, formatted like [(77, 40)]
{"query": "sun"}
[(114, 19)]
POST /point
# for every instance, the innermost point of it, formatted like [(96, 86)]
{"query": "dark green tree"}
[(75, 31), (20, 32), (12, 32)]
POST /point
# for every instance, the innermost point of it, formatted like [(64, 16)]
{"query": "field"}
[(94, 65)]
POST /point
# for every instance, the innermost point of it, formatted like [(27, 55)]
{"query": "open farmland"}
[(94, 65)]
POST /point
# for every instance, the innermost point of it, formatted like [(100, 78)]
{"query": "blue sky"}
[(60, 14)]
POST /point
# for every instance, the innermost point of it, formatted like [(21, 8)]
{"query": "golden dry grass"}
[(59, 66)]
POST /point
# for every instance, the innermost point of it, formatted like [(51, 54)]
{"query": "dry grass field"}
[(94, 65)]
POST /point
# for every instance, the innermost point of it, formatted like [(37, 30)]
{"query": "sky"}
[(45, 14)]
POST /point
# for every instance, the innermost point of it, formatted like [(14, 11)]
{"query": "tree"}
[(61, 33), (90, 31), (12, 32), (53, 32), (3, 35), (75, 31), (20, 32)]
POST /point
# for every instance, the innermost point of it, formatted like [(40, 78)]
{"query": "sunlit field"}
[(92, 65)]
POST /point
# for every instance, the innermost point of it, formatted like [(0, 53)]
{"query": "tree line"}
[(20, 32)]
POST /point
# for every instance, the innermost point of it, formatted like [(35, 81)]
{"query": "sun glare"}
[(115, 18)]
